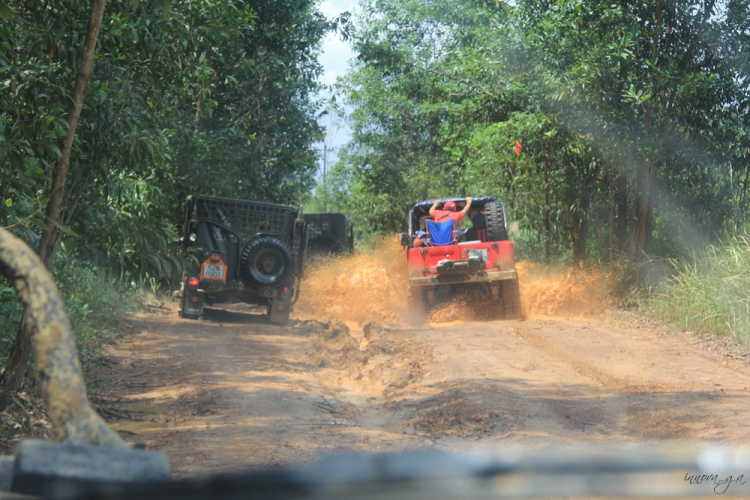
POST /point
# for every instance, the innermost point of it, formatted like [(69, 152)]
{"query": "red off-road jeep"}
[(480, 258)]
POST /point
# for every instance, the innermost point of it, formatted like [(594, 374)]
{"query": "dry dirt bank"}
[(230, 393)]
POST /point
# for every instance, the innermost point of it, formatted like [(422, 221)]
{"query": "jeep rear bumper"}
[(480, 277), (267, 292)]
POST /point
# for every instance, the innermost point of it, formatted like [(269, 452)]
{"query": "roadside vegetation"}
[(709, 293), (96, 304)]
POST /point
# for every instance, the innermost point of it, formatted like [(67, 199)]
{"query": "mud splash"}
[(368, 285), (371, 285), (547, 291), (382, 362), (467, 305)]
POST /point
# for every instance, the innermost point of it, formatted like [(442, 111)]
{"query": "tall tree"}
[(20, 352), (51, 236)]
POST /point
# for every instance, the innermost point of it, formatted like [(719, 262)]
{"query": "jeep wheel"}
[(511, 299), (495, 217), (417, 306), (266, 261)]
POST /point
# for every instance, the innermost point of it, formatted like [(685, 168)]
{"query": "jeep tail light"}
[(286, 289), (194, 282)]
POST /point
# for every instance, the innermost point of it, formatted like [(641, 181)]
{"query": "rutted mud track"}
[(231, 393)]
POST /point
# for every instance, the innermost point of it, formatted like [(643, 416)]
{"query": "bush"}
[(94, 302), (529, 245), (10, 318), (710, 294)]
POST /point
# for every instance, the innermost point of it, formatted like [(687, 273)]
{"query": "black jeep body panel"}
[(261, 246), (330, 232)]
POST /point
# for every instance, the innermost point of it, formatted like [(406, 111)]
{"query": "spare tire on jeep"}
[(266, 261), (495, 218)]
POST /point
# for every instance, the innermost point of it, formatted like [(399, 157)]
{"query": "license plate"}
[(213, 271), (480, 253)]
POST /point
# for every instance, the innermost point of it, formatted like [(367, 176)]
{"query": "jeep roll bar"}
[(423, 208), (217, 219)]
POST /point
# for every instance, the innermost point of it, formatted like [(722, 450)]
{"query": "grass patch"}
[(709, 294), (94, 302)]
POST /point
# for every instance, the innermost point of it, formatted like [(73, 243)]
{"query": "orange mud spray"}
[(545, 291), (371, 285), (554, 291)]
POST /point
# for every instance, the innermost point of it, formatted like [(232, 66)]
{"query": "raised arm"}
[(467, 207), (434, 205)]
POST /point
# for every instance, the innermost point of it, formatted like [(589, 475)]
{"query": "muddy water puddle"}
[(140, 410), (372, 415), (136, 426), (386, 422), (142, 420), (126, 347)]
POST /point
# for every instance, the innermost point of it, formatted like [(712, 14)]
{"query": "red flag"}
[(519, 148)]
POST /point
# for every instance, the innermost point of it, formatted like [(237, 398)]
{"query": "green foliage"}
[(323, 198), (406, 90), (10, 318), (253, 121), (95, 303), (708, 293), (187, 96), (633, 119), (123, 239)]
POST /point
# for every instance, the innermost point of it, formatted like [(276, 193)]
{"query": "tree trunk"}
[(654, 55), (611, 225), (18, 360), (582, 232), (621, 199), (15, 371), (623, 64), (547, 225), (743, 197), (642, 233), (48, 244)]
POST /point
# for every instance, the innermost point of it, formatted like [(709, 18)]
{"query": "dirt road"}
[(231, 393)]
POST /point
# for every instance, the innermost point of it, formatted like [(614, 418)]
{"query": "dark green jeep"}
[(331, 233), (242, 251)]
